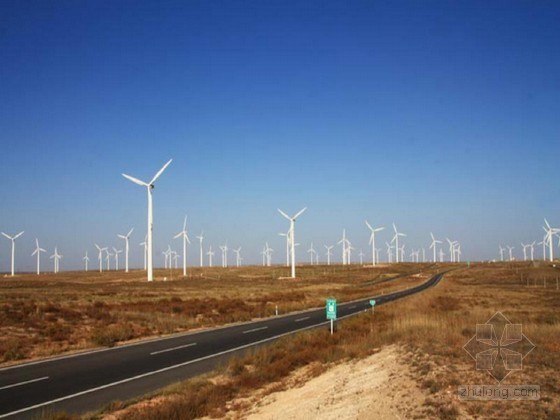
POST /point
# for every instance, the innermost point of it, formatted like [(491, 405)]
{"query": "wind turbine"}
[(210, 254), (389, 252), (344, 243), (525, 250), (550, 231), (510, 248), (434, 245), (268, 254), (149, 186), (201, 238), (372, 241), (224, 249), (38, 251), (183, 234), (125, 237), (56, 258), (311, 252), (100, 257), (532, 246), (361, 255), (13, 239), (116, 254), (108, 258), (292, 236), (237, 256), (145, 245), (396, 240), (451, 250), (502, 250), (329, 253), (86, 260), (287, 235)]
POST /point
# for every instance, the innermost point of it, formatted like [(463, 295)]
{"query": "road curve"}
[(88, 381)]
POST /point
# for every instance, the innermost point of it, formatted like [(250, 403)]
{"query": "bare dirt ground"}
[(381, 386)]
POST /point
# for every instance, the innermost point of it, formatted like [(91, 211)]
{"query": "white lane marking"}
[(302, 319), (24, 383), (173, 348), (254, 329)]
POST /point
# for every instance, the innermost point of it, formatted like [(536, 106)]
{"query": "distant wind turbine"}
[(56, 258), (37, 252), (550, 231), (100, 256), (237, 256), (149, 186), (329, 253), (396, 240), (201, 238), (116, 254), (433, 245), (86, 261), (13, 239), (372, 241), (210, 254), (125, 237), (292, 237), (145, 245), (183, 234), (224, 249)]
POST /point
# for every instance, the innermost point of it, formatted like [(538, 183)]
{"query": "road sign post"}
[(331, 311), (372, 303)]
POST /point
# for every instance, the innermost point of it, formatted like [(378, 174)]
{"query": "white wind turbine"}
[(116, 254), (532, 246), (125, 237), (344, 243), (149, 186), (441, 255), (502, 250), (13, 239), (329, 253), (433, 245), (312, 253), (292, 237), (56, 258), (550, 232), (183, 234), (108, 258), (210, 254), (510, 248), (100, 256), (287, 235), (372, 241), (237, 256), (224, 249), (451, 250), (361, 255), (268, 253), (389, 252), (525, 246), (396, 240), (201, 238), (145, 245), (37, 252), (86, 261)]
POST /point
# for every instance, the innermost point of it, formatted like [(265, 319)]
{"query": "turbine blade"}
[(135, 180), (7, 236), (368, 225), (128, 234), (299, 213), (160, 172), (185, 223), (285, 215), (18, 235)]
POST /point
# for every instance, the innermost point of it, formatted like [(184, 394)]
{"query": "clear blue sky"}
[(441, 116)]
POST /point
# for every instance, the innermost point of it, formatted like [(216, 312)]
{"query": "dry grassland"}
[(53, 314)]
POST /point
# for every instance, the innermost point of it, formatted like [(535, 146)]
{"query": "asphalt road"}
[(88, 381)]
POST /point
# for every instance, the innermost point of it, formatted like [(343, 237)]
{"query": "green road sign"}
[(331, 308), (372, 302)]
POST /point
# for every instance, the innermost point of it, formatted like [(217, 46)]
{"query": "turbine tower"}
[(116, 254), (149, 186), (56, 258), (125, 237), (13, 239), (145, 245), (292, 236), (183, 234), (210, 254), (372, 241), (38, 251), (550, 231)]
